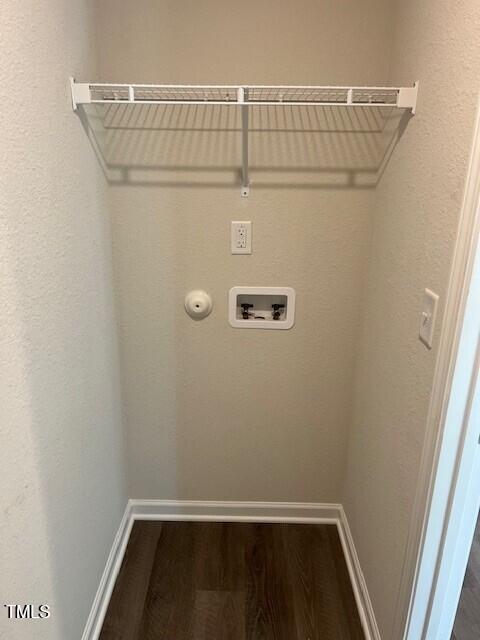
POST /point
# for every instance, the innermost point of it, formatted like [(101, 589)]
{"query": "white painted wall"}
[(416, 215), (286, 437), (61, 469), (214, 412)]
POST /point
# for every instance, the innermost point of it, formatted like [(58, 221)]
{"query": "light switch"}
[(241, 237), (429, 315)]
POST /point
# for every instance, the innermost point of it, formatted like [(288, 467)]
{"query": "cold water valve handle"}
[(277, 311)]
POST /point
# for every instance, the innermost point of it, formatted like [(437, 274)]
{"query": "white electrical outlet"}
[(241, 237)]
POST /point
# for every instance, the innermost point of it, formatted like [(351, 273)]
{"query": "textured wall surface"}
[(62, 485), (416, 215), (215, 412)]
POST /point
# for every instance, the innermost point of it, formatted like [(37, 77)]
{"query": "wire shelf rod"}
[(250, 103)]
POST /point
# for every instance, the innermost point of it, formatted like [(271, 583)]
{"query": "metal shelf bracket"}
[(242, 99), (407, 98)]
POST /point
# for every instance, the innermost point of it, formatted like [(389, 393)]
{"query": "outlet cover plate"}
[(241, 237)]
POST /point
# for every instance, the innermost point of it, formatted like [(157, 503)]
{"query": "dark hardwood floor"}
[(467, 620), (232, 581)]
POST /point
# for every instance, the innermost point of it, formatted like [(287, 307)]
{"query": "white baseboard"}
[(109, 576), (359, 586), (208, 511), (234, 511)]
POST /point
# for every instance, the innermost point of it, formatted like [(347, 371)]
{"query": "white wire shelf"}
[(244, 96)]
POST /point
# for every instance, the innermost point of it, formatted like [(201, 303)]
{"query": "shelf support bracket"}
[(242, 99), (407, 98), (80, 92)]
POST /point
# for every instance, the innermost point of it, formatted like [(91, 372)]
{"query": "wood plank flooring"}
[(232, 581), (467, 620)]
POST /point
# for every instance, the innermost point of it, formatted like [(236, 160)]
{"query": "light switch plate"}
[(241, 237), (429, 315)]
